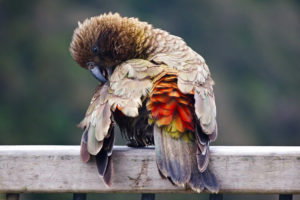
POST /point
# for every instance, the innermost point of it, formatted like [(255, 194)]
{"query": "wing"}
[(98, 135), (131, 81), (130, 84), (97, 121), (193, 77)]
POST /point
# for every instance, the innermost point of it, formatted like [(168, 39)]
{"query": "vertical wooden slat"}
[(148, 196), (12, 196), (216, 197), (285, 197), (79, 196)]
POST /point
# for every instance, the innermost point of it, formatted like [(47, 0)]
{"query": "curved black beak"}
[(96, 72)]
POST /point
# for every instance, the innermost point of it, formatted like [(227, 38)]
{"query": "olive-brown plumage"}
[(156, 88)]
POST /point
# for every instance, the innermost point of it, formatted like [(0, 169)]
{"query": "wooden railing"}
[(58, 169)]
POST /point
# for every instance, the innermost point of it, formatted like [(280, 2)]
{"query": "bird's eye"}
[(95, 49)]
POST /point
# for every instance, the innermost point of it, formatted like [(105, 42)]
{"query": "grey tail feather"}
[(210, 181), (104, 160), (178, 160), (161, 175), (200, 180), (196, 180), (171, 157)]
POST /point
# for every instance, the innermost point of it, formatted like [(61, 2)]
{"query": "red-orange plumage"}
[(179, 124), (164, 120), (183, 101), (161, 91), (185, 113), (169, 105), (174, 94), (155, 111), (160, 98), (165, 112)]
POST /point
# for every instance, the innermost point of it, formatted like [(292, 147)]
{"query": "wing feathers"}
[(129, 83), (96, 122), (98, 135), (103, 158), (93, 145), (103, 122), (205, 110), (202, 159), (102, 162), (84, 154), (109, 172)]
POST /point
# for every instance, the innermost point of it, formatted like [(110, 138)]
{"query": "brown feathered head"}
[(102, 42)]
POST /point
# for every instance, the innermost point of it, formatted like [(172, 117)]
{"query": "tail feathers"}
[(177, 160), (103, 159), (201, 180), (171, 162), (210, 181), (196, 180)]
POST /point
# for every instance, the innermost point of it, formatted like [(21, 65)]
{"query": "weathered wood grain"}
[(59, 169)]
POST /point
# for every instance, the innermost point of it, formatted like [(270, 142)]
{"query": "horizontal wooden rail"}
[(239, 169)]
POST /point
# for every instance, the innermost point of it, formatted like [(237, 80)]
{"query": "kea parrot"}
[(156, 89)]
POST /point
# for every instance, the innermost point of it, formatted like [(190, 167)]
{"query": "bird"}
[(158, 91)]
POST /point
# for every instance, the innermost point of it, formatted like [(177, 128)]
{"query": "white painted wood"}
[(59, 169)]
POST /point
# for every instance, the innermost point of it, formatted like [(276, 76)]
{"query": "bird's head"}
[(102, 42)]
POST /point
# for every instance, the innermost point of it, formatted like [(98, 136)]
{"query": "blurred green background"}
[(251, 47)]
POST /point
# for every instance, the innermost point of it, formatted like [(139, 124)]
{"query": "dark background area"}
[(251, 47)]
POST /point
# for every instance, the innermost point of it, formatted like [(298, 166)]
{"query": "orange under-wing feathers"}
[(171, 105), (183, 101), (167, 85), (164, 120), (155, 111), (161, 91), (179, 124), (174, 94), (165, 112), (185, 113), (168, 105), (160, 98)]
